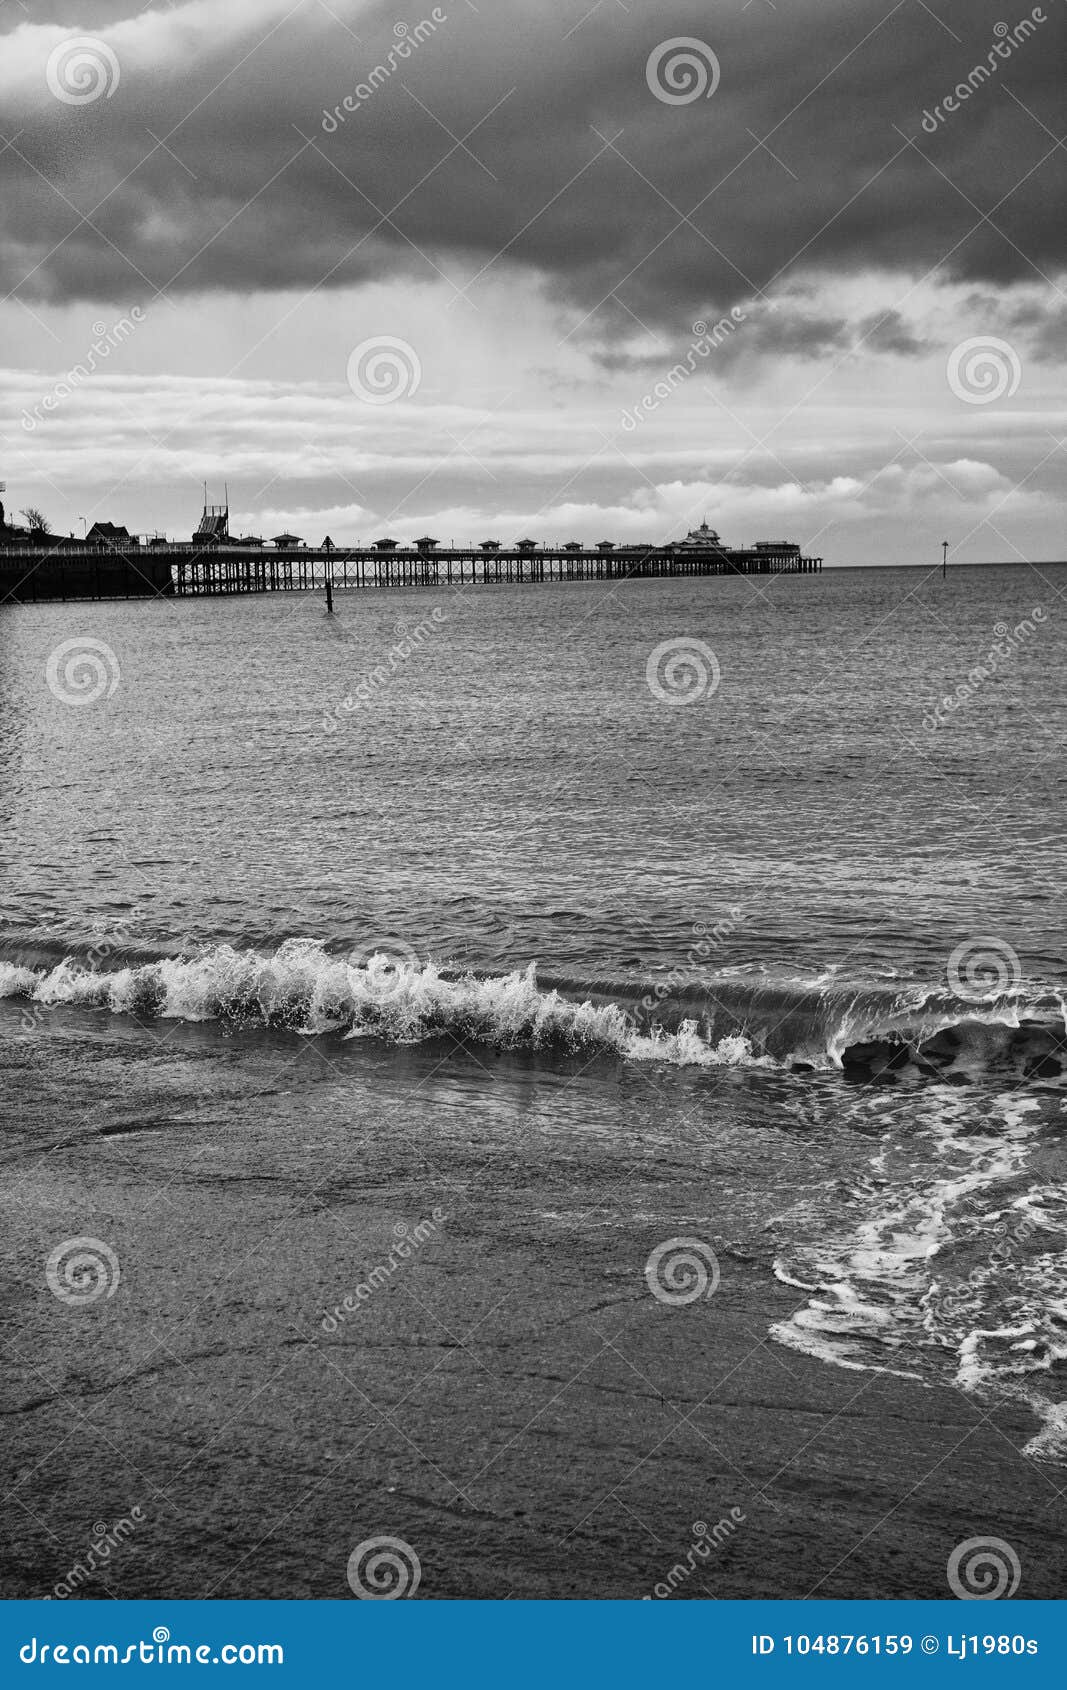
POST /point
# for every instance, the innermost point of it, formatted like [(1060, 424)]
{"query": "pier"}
[(69, 569)]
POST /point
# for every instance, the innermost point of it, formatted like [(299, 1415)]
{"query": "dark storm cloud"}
[(1044, 327), (783, 329), (888, 332), (501, 139)]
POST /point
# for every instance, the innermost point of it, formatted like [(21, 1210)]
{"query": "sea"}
[(762, 872)]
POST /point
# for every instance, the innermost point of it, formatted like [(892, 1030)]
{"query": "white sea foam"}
[(304, 988), (16, 982), (937, 1266)]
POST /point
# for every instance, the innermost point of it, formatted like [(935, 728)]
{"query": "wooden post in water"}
[(944, 558)]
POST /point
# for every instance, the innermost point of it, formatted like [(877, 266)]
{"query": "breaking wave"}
[(874, 1031)]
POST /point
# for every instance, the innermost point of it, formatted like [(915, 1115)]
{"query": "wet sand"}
[(511, 1401)]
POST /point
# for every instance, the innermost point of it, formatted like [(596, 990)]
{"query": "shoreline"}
[(511, 1401)]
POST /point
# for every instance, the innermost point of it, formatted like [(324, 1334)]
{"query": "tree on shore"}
[(36, 521)]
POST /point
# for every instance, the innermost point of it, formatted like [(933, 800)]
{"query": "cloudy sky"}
[(430, 270)]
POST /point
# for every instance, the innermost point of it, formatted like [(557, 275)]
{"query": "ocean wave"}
[(874, 1030), (943, 1262)]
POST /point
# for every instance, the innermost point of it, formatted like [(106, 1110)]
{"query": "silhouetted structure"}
[(108, 534), (110, 563)]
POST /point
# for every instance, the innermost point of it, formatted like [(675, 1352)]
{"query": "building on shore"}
[(108, 534)]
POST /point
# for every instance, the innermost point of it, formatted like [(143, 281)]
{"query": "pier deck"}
[(67, 570)]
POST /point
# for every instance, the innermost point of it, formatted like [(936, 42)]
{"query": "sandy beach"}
[(510, 1401)]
